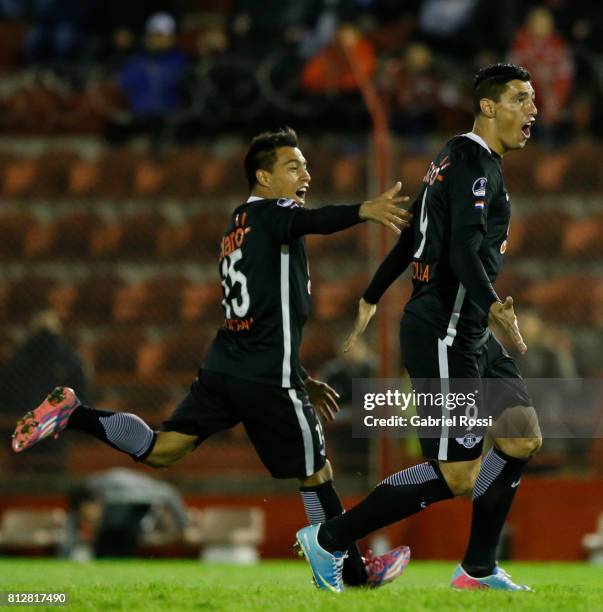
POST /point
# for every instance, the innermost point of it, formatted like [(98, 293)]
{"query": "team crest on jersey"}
[(479, 187), (286, 203), (469, 440)]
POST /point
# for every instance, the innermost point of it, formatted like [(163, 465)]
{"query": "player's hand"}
[(365, 313), (323, 398), (385, 209), (504, 314)]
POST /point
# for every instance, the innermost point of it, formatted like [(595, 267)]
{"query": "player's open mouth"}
[(301, 193), (526, 129)]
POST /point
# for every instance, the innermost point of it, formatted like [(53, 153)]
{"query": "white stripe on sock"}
[(417, 474), (128, 432), (492, 465), (314, 510)]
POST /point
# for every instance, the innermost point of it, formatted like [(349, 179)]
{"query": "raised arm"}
[(287, 221)]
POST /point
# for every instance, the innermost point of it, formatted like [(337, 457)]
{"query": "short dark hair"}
[(491, 80), (262, 152)]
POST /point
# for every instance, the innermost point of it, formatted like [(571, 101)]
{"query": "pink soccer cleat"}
[(48, 418), (385, 568)]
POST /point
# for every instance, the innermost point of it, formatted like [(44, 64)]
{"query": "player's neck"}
[(486, 133), (262, 192)]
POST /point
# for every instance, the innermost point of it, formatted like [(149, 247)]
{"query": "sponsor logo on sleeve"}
[(479, 187)]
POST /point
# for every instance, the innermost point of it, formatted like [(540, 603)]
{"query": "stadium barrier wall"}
[(547, 521)]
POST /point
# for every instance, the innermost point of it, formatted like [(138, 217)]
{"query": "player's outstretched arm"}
[(289, 221), (386, 209), (365, 313), (504, 314)]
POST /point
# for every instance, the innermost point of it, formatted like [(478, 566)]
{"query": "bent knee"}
[(519, 448), (169, 448), (460, 477), (461, 486)]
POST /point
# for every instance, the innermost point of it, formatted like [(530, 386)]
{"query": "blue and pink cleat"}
[(387, 567), (49, 418), (498, 580), (327, 568)]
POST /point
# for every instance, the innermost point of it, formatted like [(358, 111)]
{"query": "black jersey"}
[(463, 188), (266, 288)]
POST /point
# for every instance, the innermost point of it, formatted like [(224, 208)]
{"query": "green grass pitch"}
[(285, 585)]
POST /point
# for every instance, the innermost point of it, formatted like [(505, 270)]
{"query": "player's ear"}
[(487, 107), (263, 177)]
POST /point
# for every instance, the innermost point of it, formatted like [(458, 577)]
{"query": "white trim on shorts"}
[(286, 316), (306, 432), (445, 388)]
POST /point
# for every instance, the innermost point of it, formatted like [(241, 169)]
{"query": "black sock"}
[(397, 497), (321, 503), (121, 430), (493, 493)]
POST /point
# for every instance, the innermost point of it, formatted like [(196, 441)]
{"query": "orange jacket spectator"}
[(329, 71), (546, 55)]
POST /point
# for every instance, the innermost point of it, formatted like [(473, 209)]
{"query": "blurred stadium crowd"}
[(198, 68), (123, 127)]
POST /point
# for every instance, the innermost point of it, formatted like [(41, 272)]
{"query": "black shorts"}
[(281, 423), (431, 361)]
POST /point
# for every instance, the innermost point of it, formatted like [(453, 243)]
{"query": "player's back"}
[(266, 300), (463, 187)]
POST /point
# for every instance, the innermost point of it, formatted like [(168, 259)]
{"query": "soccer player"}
[(251, 373), (455, 245)]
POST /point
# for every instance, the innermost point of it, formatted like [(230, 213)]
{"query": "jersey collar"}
[(473, 136), (253, 199)]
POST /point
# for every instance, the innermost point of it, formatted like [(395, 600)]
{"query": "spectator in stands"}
[(61, 33), (110, 511), (544, 52), (581, 24), (314, 37), (153, 82), (410, 86), (120, 25), (44, 356), (12, 9), (336, 73), (551, 353), (338, 373), (358, 362), (339, 67), (442, 23), (258, 29)]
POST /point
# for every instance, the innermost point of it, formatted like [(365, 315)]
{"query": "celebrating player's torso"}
[(463, 187), (266, 295)]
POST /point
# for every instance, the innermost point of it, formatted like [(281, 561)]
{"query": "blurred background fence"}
[(122, 134)]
